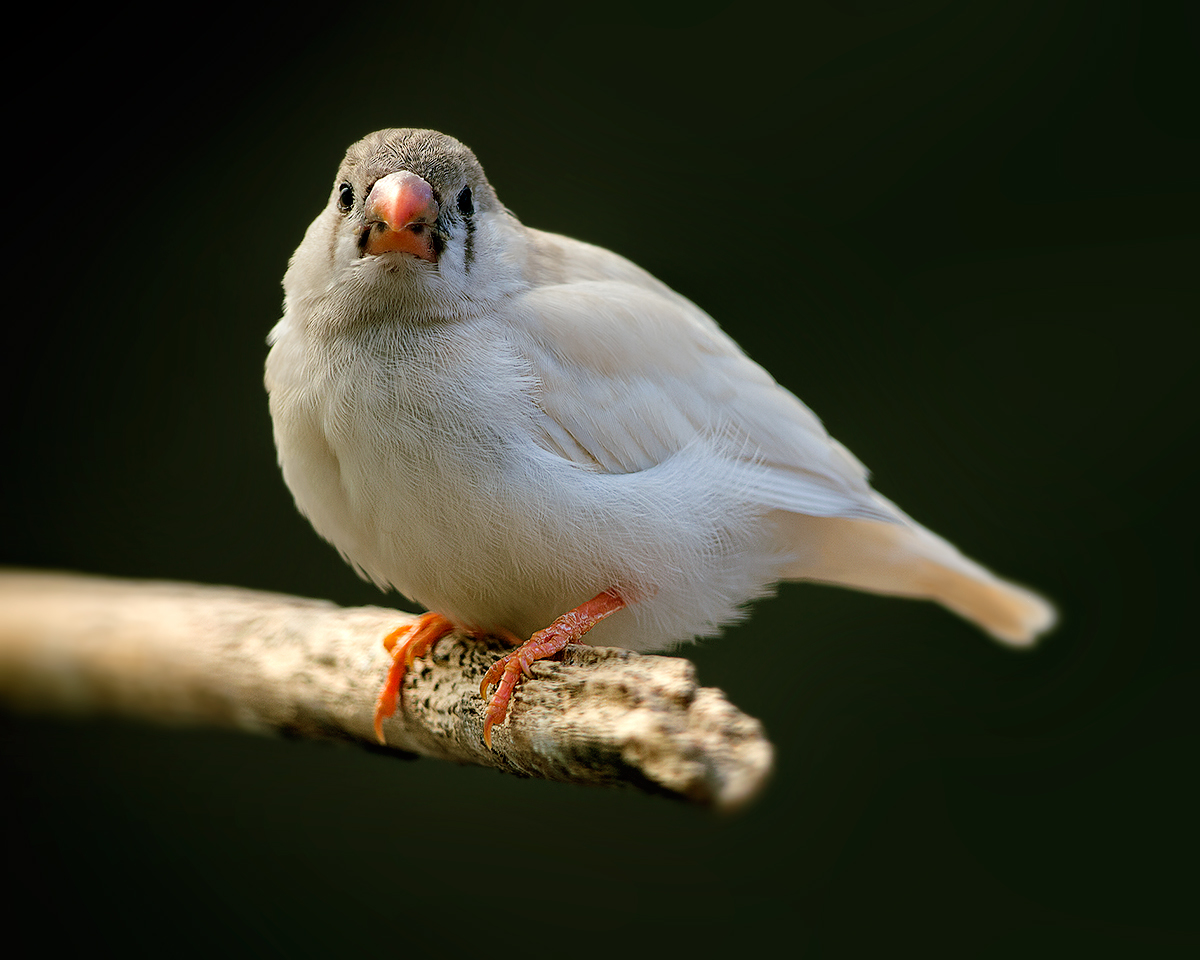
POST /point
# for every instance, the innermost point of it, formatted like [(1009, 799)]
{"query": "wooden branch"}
[(267, 662)]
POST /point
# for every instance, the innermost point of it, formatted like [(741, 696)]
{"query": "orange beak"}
[(401, 212)]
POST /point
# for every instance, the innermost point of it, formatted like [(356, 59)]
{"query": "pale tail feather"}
[(905, 559)]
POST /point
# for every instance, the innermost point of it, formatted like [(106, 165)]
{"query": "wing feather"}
[(631, 373)]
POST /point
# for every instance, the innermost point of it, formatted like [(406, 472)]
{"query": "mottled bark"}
[(267, 662)]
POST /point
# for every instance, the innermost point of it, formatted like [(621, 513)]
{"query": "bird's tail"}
[(905, 559)]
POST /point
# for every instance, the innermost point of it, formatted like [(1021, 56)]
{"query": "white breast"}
[(419, 464)]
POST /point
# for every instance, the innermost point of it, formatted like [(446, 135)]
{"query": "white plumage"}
[(501, 423)]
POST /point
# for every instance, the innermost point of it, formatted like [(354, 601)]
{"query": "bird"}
[(535, 439)]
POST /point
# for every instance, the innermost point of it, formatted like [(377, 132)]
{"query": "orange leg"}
[(545, 643), (419, 638)]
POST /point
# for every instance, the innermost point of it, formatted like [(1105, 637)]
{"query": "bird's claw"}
[(568, 628), (418, 639)]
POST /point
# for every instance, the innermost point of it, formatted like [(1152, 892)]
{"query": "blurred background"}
[(963, 232)]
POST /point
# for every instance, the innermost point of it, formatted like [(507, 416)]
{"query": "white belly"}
[(434, 486)]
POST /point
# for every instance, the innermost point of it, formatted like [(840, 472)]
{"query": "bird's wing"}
[(631, 373)]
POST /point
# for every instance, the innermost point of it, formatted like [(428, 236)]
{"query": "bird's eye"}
[(465, 206), (345, 197)]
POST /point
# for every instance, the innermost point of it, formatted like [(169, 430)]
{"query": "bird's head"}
[(412, 226)]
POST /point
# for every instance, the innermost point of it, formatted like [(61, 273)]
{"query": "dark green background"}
[(963, 232)]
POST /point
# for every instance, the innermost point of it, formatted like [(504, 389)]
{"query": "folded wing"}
[(632, 373)]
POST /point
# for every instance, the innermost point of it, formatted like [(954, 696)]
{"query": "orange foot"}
[(419, 638), (545, 643)]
